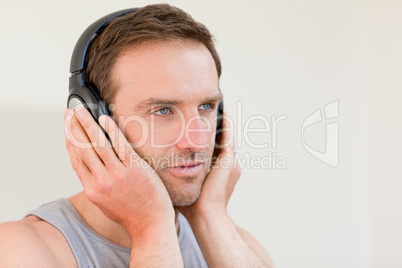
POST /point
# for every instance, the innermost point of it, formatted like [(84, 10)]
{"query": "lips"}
[(188, 164), (186, 170)]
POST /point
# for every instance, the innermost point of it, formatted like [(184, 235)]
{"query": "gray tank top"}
[(92, 250)]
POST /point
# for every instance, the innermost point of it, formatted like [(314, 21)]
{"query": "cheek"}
[(135, 131), (212, 121), (207, 128), (165, 132), (155, 138)]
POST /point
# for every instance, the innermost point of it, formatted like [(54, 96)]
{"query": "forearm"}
[(221, 243), (156, 247)]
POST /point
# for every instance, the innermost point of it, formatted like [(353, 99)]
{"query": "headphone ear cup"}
[(219, 116), (88, 96), (219, 121), (98, 103)]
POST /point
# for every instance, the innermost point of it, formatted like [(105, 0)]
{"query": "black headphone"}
[(85, 94)]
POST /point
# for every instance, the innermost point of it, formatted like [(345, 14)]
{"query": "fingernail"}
[(66, 132), (102, 120), (64, 113), (80, 113), (69, 114)]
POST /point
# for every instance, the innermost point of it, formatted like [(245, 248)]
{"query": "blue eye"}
[(206, 106), (163, 111)]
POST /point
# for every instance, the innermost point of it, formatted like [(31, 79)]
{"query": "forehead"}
[(180, 70)]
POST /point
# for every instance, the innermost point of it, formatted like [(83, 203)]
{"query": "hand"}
[(221, 180), (119, 182)]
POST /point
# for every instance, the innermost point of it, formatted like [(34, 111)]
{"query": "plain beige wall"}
[(279, 58)]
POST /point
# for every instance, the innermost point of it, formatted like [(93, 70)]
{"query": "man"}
[(160, 70)]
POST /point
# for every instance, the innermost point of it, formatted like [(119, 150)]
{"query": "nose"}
[(196, 133)]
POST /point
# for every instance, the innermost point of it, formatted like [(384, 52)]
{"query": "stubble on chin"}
[(183, 191)]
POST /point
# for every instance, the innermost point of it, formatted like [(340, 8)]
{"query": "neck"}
[(101, 224)]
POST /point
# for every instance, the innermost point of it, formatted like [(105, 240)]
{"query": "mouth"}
[(187, 170)]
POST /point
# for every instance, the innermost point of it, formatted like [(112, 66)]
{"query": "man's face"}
[(166, 105)]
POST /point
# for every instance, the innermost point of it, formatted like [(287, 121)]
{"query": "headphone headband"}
[(80, 49), (86, 94), (81, 93)]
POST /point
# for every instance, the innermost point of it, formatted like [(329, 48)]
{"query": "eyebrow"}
[(171, 102)]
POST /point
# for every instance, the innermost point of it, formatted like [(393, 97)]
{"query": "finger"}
[(68, 114), (227, 141), (84, 149), (227, 158), (121, 146), (80, 168), (98, 139), (83, 172)]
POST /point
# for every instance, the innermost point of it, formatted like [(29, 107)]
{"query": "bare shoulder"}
[(256, 246), (32, 242)]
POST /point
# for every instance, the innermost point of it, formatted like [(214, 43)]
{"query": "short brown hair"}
[(154, 23)]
